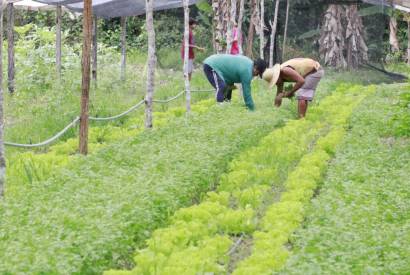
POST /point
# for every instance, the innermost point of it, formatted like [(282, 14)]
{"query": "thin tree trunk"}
[(58, 41), (231, 24), (285, 35), (218, 26), (262, 28), (273, 33), (408, 42), (240, 20), (85, 85), (123, 46), (2, 157), (10, 40), (186, 56), (151, 62), (394, 42), (95, 49), (251, 30)]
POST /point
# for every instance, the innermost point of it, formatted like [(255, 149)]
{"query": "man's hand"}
[(278, 100)]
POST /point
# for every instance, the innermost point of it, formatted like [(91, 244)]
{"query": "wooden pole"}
[(286, 29), (2, 158), (10, 38), (85, 86), (186, 56), (408, 42), (231, 25), (240, 20), (123, 46), (95, 48), (149, 7), (58, 41), (262, 27), (273, 33)]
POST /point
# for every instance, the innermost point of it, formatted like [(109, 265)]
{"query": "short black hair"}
[(260, 65), (192, 21)]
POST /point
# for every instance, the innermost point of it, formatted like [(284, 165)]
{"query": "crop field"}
[(219, 189)]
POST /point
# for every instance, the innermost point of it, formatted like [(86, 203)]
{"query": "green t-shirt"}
[(234, 69)]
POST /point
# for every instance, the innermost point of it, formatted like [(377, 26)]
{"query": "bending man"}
[(223, 70), (305, 72)]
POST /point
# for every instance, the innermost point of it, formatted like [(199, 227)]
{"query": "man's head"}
[(192, 23), (259, 67)]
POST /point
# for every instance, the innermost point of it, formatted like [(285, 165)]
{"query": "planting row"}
[(88, 216), (360, 221), (234, 209)]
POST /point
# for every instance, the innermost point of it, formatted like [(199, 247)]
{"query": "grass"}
[(359, 222)]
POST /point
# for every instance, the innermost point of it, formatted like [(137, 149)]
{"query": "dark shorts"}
[(222, 90)]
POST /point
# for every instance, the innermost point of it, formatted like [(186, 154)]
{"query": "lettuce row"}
[(231, 210), (27, 167), (281, 219)]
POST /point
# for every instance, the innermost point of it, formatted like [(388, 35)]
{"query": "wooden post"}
[(58, 41), (408, 42), (123, 46), (95, 48), (2, 158), (186, 56), (231, 25), (262, 27), (273, 33), (149, 7), (240, 20), (85, 86), (10, 40), (286, 29)]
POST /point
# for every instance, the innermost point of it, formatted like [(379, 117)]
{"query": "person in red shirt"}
[(192, 46), (236, 37)]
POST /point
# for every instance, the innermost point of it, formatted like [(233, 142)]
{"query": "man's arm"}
[(291, 74), (247, 97)]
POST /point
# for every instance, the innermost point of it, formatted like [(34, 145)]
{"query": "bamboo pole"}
[(58, 41), (285, 35), (262, 27), (2, 158), (123, 46), (273, 33), (85, 86), (95, 48), (10, 40), (186, 56), (151, 62)]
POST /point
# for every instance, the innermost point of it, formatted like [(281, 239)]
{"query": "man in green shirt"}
[(223, 70)]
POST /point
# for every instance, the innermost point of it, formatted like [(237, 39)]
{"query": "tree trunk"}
[(85, 86), (149, 4), (186, 56), (218, 26), (123, 46), (95, 49), (332, 37), (58, 41), (408, 42), (356, 46), (394, 42), (240, 20), (251, 30), (10, 40), (262, 28), (231, 24), (286, 29), (2, 157), (273, 33)]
